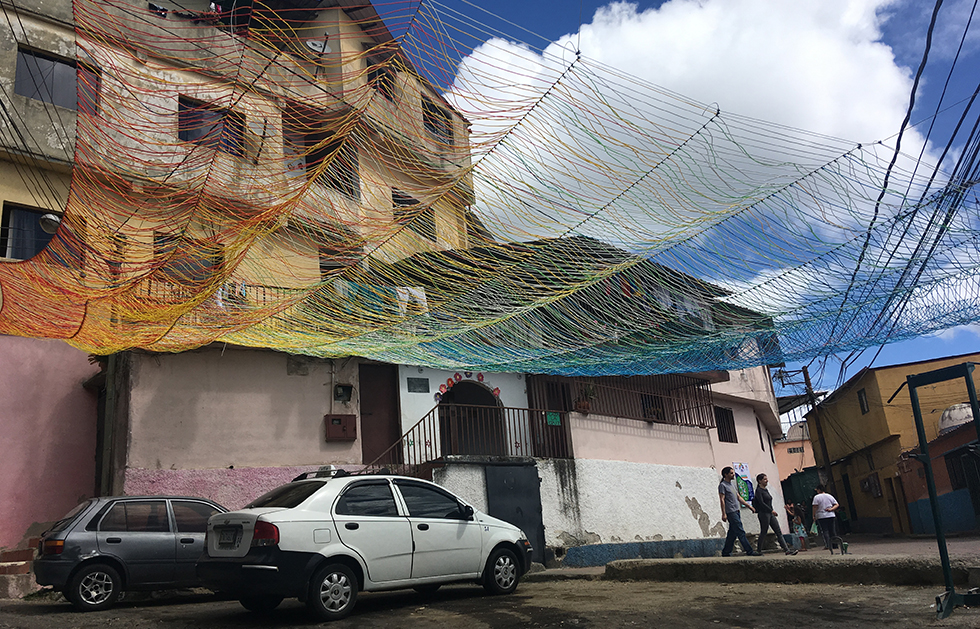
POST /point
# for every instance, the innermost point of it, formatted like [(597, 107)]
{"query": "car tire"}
[(94, 587), (260, 603), (333, 592), (502, 572), (427, 590)]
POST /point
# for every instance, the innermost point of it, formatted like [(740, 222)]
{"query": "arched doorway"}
[(471, 421)]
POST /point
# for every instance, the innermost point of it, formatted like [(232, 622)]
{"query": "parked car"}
[(107, 545), (324, 539)]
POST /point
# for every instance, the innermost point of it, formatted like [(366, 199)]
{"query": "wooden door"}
[(380, 416)]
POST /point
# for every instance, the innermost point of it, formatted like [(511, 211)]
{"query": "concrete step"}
[(22, 554), (15, 567), (17, 585)]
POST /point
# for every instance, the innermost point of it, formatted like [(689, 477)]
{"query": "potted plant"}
[(583, 403)]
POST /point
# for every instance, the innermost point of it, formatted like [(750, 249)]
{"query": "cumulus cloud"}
[(816, 65)]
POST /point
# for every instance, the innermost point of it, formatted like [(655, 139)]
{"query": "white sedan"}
[(324, 539)]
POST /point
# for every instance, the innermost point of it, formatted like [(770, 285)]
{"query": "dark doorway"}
[(380, 425), (471, 421), (514, 495)]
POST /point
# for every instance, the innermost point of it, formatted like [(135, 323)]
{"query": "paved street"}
[(576, 603)]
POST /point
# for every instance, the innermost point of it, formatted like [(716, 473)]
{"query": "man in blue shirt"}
[(730, 513)]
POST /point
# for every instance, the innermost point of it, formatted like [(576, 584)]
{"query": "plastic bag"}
[(813, 529)]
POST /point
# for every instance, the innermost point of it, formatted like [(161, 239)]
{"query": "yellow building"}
[(865, 434)]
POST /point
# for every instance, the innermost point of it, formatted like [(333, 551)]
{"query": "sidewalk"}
[(870, 559)]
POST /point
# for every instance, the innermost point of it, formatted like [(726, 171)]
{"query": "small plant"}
[(586, 394)]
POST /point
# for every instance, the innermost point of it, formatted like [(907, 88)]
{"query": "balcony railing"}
[(481, 431)]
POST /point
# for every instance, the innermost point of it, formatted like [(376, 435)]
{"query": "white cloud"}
[(815, 65), (627, 162)]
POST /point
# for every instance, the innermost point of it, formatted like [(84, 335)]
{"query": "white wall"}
[(414, 406), (617, 501), (636, 458), (601, 502)]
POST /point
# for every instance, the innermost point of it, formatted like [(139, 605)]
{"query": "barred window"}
[(725, 420)]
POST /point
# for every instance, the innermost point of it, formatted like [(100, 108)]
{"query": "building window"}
[(758, 426), (863, 401), (211, 126), (421, 220), (772, 454), (653, 408), (310, 141), (954, 466), (334, 259), (725, 421), (437, 121), (380, 75), (382, 80), (187, 261), (61, 82), (794, 450), (21, 236)]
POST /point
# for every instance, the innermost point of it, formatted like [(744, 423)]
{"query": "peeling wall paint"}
[(622, 501)]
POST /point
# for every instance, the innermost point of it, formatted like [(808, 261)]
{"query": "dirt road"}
[(575, 604)]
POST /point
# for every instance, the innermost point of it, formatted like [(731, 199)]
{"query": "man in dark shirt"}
[(762, 501)]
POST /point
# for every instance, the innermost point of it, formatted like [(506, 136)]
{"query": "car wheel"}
[(427, 590), (502, 572), (333, 592), (94, 587), (261, 603)]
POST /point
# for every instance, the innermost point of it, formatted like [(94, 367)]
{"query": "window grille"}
[(725, 420)]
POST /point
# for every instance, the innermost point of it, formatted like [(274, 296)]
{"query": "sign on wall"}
[(743, 481)]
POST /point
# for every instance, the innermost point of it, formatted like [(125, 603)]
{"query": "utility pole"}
[(823, 442)]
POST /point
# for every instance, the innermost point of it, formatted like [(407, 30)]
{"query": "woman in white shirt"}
[(824, 506)]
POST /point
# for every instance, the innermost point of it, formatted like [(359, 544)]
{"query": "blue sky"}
[(840, 67)]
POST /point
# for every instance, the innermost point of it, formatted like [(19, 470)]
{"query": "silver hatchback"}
[(107, 545)]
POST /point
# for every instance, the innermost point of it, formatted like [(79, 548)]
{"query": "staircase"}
[(16, 574)]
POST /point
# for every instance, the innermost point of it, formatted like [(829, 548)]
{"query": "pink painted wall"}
[(793, 462), (47, 437), (233, 488), (616, 439)]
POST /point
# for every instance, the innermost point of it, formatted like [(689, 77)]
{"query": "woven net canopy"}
[(335, 179)]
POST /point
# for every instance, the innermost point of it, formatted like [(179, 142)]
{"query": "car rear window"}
[(287, 496), (63, 523)]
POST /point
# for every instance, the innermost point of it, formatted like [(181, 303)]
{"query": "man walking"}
[(730, 513), (824, 507), (762, 501)]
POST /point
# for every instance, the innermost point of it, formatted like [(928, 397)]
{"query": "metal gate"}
[(514, 495)]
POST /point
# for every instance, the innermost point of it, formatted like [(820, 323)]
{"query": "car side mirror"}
[(467, 512)]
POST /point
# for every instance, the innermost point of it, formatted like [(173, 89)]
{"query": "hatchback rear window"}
[(287, 496), (63, 523)]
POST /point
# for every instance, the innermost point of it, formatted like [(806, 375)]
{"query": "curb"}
[(882, 569)]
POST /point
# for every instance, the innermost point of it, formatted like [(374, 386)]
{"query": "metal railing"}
[(465, 430), (679, 399)]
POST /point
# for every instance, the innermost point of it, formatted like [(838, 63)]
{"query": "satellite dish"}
[(49, 223), (318, 46)]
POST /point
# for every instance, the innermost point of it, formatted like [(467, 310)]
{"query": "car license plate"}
[(226, 537)]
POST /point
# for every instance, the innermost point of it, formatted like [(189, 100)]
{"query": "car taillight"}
[(265, 534), (52, 546)]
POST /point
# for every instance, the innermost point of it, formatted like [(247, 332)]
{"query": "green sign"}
[(743, 488), (553, 419)]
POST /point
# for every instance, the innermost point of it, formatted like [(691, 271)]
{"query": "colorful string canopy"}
[(335, 179)]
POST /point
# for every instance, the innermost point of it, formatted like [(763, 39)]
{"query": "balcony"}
[(459, 430)]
